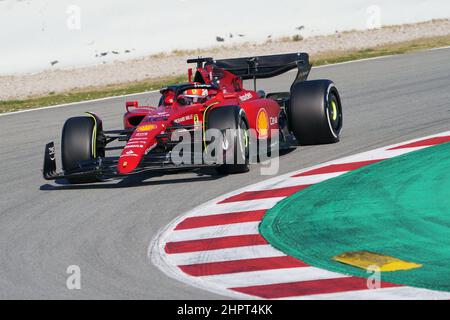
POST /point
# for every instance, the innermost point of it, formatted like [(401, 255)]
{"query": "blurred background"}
[(37, 35)]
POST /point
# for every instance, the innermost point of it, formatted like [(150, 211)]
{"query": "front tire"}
[(79, 143), (232, 122), (315, 112)]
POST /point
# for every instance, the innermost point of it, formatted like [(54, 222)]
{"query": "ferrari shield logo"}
[(196, 121)]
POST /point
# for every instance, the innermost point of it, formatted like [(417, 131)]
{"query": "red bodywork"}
[(151, 121)]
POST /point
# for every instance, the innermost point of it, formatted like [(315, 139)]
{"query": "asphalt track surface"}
[(106, 228)]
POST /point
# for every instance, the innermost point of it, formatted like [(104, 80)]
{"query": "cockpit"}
[(187, 94)]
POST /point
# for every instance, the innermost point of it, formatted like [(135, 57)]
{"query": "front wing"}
[(106, 168)]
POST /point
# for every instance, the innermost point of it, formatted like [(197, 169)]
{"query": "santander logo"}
[(246, 97)]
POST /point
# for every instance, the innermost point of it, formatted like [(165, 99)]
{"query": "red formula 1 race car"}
[(210, 121)]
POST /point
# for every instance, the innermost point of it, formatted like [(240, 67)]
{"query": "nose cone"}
[(130, 159), (141, 141)]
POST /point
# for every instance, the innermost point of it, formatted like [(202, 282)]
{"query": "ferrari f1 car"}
[(214, 99)]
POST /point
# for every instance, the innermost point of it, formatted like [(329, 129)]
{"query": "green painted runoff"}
[(398, 207)]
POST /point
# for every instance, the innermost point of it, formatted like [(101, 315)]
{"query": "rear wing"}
[(261, 67)]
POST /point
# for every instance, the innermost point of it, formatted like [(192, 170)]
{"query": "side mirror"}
[(261, 94), (131, 104)]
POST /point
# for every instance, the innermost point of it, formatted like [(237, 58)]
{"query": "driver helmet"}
[(195, 96)]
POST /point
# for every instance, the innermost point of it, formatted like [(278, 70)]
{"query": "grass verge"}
[(383, 50), (89, 94), (152, 84)]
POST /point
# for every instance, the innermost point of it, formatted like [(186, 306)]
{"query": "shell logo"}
[(262, 123), (147, 127)]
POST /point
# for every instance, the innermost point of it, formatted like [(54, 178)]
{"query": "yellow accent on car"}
[(94, 136), (368, 260), (262, 123), (196, 121), (147, 127), (204, 122)]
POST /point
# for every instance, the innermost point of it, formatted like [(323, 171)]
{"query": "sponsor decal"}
[(141, 134), (158, 118), (51, 153), (246, 97), (198, 92), (137, 140), (129, 153), (146, 127), (262, 123), (134, 146), (183, 119), (273, 120)]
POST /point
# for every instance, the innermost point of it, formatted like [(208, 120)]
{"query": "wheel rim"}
[(334, 113), (245, 137)]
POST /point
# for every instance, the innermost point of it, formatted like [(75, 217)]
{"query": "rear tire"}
[(79, 143), (315, 112), (233, 118)]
